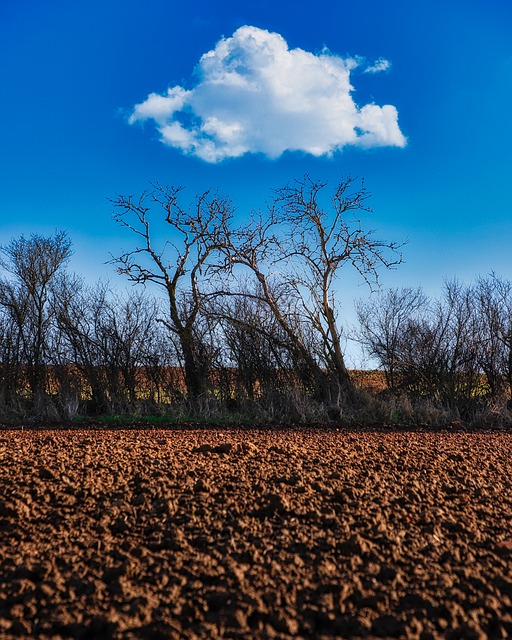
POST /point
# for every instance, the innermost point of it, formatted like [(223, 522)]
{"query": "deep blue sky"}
[(72, 72)]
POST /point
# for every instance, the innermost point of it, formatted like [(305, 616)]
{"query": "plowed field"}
[(255, 534)]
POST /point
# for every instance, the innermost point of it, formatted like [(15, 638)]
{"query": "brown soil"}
[(255, 534)]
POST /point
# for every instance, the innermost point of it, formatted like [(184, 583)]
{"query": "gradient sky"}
[(414, 97)]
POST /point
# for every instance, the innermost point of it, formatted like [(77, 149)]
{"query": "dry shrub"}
[(497, 413), (422, 411), (289, 404), (391, 408)]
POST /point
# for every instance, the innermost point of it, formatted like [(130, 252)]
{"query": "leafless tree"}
[(256, 348), (493, 298), (115, 342), (179, 266), (383, 319), (11, 368), (80, 318), (31, 267), (428, 348), (462, 379), (296, 252), (124, 336)]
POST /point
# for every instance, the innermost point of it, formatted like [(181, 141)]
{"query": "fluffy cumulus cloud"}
[(255, 95)]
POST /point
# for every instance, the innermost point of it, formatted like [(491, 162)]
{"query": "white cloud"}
[(379, 65), (160, 108), (255, 95)]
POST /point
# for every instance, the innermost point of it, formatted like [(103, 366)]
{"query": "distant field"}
[(255, 534), (370, 379)]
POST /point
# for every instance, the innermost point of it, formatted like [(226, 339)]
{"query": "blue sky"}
[(437, 162)]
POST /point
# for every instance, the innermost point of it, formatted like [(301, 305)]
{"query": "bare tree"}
[(321, 242), (296, 252), (11, 368), (428, 348), (463, 375), (494, 307), (256, 347), (122, 331), (179, 267), (32, 266), (115, 342), (382, 322), (80, 317)]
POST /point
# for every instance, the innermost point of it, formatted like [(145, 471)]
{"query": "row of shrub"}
[(239, 322), (103, 353)]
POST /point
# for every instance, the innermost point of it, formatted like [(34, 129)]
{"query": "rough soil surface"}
[(255, 534)]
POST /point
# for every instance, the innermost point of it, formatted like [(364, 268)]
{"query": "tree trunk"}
[(195, 376)]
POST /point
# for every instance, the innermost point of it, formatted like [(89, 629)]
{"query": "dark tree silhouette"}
[(180, 266), (32, 266)]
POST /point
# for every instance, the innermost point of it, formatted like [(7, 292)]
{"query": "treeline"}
[(453, 353), (237, 316)]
